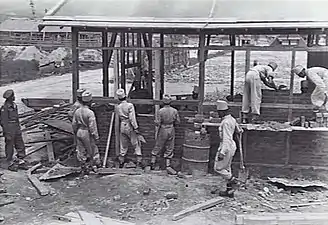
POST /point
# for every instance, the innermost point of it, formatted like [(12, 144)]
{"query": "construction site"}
[(150, 49)]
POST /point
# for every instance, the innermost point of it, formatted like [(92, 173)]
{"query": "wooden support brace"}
[(117, 122), (50, 148), (122, 60), (105, 64), (201, 72), (291, 88), (75, 62)]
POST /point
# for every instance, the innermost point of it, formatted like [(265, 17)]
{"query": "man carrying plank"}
[(227, 149)]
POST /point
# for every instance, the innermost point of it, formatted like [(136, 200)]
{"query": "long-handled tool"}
[(243, 172)]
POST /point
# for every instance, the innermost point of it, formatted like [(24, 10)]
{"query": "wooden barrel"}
[(196, 153)]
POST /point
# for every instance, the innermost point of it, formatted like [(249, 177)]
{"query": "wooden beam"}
[(41, 189), (102, 100), (232, 66), (201, 72), (157, 86), (117, 122), (122, 59), (247, 61), (50, 147), (150, 66), (198, 207), (208, 41), (223, 48), (109, 138), (105, 64), (162, 63), (75, 62), (291, 88), (111, 44)]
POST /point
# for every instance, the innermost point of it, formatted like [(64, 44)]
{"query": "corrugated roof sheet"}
[(188, 13), (27, 25)]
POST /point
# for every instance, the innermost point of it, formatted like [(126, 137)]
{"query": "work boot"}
[(227, 193), (244, 118), (153, 162), (13, 167), (255, 119), (169, 169), (22, 164), (121, 161), (139, 162)]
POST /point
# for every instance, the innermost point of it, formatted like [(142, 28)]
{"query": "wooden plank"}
[(110, 171), (201, 72), (6, 203), (222, 48), (247, 61), (198, 207), (117, 122), (150, 66), (33, 149), (109, 139), (232, 66), (89, 218), (111, 44), (162, 63), (307, 204), (41, 189), (59, 171), (288, 147), (102, 100), (105, 64), (60, 125), (50, 148), (122, 60), (275, 218), (75, 62), (291, 88), (157, 86)]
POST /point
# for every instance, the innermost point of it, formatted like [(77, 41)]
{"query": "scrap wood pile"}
[(49, 129)]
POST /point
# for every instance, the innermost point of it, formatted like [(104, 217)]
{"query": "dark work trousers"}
[(14, 139)]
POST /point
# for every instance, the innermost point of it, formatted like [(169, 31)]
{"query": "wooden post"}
[(201, 72), (111, 44), (75, 62), (247, 61), (208, 40), (117, 122), (162, 65), (123, 81), (50, 147), (232, 66), (157, 85), (291, 89), (150, 65), (105, 65)]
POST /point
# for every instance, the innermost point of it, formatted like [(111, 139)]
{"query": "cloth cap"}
[(79, 92), (196, 89), (8, 94), (167, 98), (221, 105), (120, 93), (298, 69), (273, 65), (86, 96)]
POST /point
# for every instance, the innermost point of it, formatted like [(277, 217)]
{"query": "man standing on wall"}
[(12, 132), (86, 131), (252, 96), (128, 129), (227, 149), (318, 76), (168, 117)]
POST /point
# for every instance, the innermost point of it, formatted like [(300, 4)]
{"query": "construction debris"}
[(6, 203), (171, 195), (198, 207), (308, 204), (286, 183), (62, 218), (110, 171), (59, 171)]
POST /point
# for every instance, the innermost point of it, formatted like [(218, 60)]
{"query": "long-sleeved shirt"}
[(126, 111), (73, 109), (9, 113), (264, 70), (168, 115), (85, 118), (226, 130), (319, 76)]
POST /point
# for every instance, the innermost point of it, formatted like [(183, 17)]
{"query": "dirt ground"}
[(121, 197)]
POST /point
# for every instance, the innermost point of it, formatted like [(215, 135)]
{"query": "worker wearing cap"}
[(318, 76), (77, 104), (227, 148), (12, 132), (252, 96), (168, 117), (128, 129), (86, 131)]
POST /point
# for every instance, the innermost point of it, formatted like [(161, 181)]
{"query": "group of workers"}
[(252, 95)]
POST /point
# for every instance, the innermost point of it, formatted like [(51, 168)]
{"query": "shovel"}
[(243, 172)]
